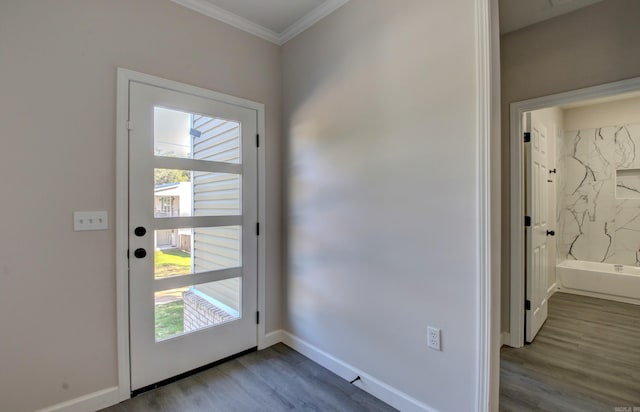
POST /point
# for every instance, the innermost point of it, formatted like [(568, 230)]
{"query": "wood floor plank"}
[(274, 379), (586, 357)]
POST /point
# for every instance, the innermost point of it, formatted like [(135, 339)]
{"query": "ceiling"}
[(279, 21), (516, 14), (274, 20)]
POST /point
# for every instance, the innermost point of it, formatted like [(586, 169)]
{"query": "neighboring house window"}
[(167, 204)]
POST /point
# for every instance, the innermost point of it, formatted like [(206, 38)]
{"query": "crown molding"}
[(231, 19), (308, 20)]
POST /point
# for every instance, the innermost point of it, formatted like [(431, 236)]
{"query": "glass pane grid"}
[(186, 251)]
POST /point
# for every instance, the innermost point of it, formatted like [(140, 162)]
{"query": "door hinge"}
[(527, 137), (257, 317), (258, 140), (527, 304), (129, 125), (258, 229), (127, 253), (527, 221)]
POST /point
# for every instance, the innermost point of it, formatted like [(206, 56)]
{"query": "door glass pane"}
[(186, 251), (185, 310), (193, 193), (195, 136)]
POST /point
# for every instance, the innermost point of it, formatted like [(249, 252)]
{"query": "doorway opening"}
[(587, 275), (550, 110)]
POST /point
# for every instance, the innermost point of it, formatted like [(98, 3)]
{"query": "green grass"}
[(169, 319), (171, 262), (170, 316)]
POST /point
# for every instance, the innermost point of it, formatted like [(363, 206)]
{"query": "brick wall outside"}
[(200, 313)]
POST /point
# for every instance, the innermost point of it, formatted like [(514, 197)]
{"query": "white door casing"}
[(536, 209), (153, 360)]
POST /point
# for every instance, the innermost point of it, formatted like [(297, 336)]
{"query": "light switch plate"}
[(90, 220)]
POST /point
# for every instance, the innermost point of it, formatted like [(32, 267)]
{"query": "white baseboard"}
[(392, 396), (87, 403), (272, 338), (368, 383), (505, 338)]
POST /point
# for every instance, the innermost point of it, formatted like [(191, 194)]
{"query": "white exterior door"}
[(536, 272), (195, 302)]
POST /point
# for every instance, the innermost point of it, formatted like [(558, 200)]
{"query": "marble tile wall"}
[(599, 214)]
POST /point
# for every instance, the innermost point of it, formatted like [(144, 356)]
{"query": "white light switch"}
[(90, 220)]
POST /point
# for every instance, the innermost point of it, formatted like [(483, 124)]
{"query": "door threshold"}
[(191, 372)]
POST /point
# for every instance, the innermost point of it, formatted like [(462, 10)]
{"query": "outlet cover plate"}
[(433, 338)]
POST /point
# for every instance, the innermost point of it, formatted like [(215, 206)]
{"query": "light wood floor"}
[(585, 358), (275, 379)]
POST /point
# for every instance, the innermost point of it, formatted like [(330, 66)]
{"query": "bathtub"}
[(600, 280)]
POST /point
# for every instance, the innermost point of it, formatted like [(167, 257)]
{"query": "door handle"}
[(140, 253), (140, 231), (551, 232)]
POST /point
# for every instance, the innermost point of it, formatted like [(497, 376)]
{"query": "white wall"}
[(617, 112), (58, 64), (379, 108)]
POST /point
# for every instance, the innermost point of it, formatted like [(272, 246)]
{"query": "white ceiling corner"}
[(243, 21), (311, 18)]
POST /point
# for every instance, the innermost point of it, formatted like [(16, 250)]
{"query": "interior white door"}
[(192, 172), (536, 271)]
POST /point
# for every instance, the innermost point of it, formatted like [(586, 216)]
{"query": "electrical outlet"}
[(90, 221), (433, 338)]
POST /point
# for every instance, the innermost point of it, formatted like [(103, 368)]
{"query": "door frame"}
[(124, 77), (515, 336)]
